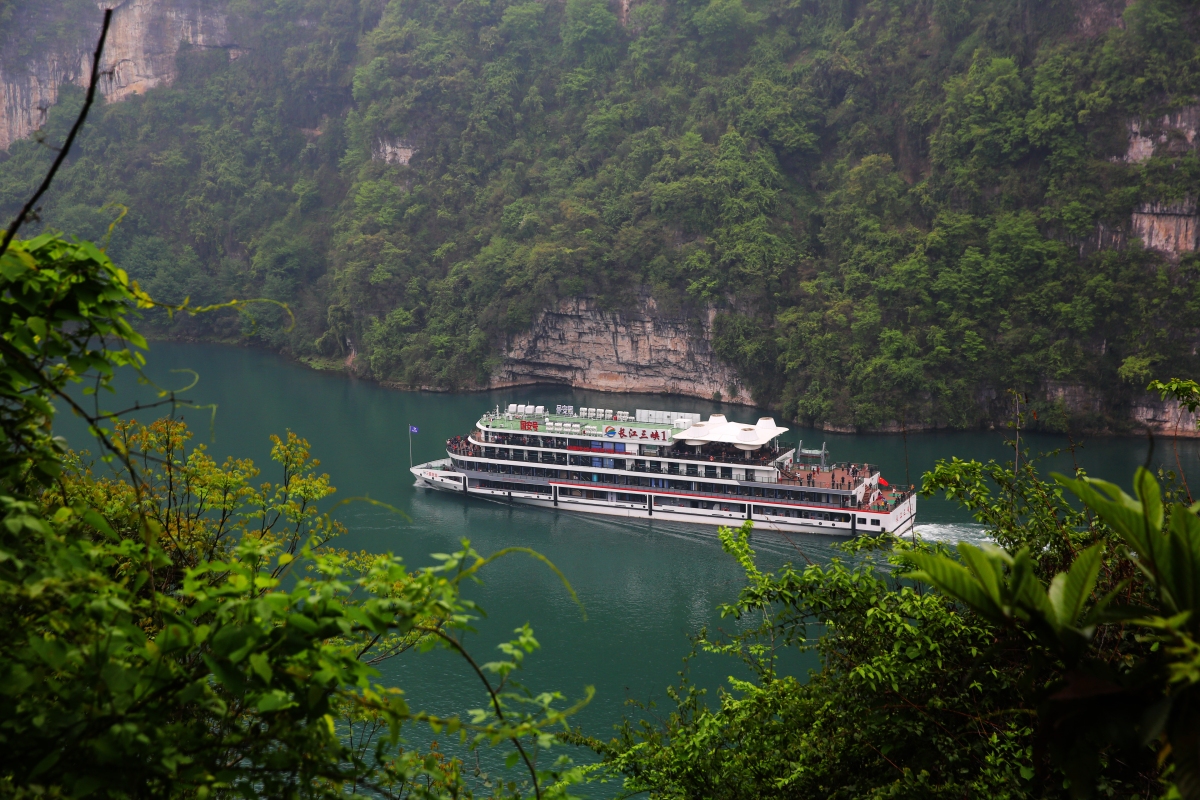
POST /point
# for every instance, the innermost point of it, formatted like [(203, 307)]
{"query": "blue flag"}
[(413, 429)]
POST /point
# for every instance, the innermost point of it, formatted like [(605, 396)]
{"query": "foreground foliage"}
[(1061, 661), (900, 207), (171, 628)]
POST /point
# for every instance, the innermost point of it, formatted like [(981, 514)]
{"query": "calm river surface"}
[(646, 586)]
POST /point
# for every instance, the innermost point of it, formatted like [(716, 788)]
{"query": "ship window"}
[(597, 461), (672, 468), (619, 447), (597, 445), (710, 471), (874, 522), (692, 469), (727, 473), (609, 463), (630, 498), (862, 520)]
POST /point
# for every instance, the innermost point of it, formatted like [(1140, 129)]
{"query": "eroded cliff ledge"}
[(140, 53), (632, 350)]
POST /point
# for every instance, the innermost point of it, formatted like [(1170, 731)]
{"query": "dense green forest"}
[(894, 204), (174, 627)]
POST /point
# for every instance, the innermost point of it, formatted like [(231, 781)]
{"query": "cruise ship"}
[(667, 466)]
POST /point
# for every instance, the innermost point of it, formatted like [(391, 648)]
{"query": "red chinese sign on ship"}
[(630, 433)]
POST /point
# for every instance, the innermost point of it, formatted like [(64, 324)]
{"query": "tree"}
[(171, 630), (1042, 666)]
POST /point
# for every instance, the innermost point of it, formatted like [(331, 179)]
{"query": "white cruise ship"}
[(667, 466)]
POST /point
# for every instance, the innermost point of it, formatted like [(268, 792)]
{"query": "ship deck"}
[(502, 423)]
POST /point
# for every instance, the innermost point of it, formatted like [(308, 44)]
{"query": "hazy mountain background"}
[(899, 209)]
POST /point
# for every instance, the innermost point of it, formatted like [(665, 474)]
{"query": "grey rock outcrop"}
[(143, 39), (633, 350), (1170, 227)]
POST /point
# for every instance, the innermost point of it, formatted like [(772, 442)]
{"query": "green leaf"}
[(1181, 574), (227, 674), (988, 565), (953, 579), (275, 700), (1070, 590), (1124, 514)]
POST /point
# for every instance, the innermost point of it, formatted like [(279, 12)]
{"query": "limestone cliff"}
[(1145, 412), (140, 53), (640, 349), (1171, 227), (1164, 418)]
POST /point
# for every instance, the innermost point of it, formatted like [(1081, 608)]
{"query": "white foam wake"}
[(952, 532)]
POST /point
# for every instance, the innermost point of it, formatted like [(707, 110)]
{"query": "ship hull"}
[(438, 476)]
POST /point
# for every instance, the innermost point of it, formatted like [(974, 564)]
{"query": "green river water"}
[(646, 586)]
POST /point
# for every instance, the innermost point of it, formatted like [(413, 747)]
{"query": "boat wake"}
[(953, 532)]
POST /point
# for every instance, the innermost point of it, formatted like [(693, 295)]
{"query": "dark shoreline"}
[(1134, 429)]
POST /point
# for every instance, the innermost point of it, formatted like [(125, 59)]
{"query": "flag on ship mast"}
[(411, 430)]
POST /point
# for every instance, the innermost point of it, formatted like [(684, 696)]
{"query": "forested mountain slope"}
[(900, 208)]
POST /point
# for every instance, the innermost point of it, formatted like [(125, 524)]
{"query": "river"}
[(646, 586)]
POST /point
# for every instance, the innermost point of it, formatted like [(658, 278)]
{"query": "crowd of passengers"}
[(729, 454), (462, 446)]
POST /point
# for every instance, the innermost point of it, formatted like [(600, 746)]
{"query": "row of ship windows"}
[(672, 502), (793, 495), (558, 443), (639, 465), (609, 462)]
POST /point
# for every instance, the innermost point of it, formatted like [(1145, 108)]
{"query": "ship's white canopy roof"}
[(719, 429)]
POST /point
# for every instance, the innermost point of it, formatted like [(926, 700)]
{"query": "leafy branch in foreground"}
[(156, 639), (1023, 677), (1097, 704)]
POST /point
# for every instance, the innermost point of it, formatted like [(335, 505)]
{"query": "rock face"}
[(1094, 17), (1167, 227), (1165, 418), (1173, 134), (143, 38), (635, 350), (1170, 227), (393, 152), (1146, 411)]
